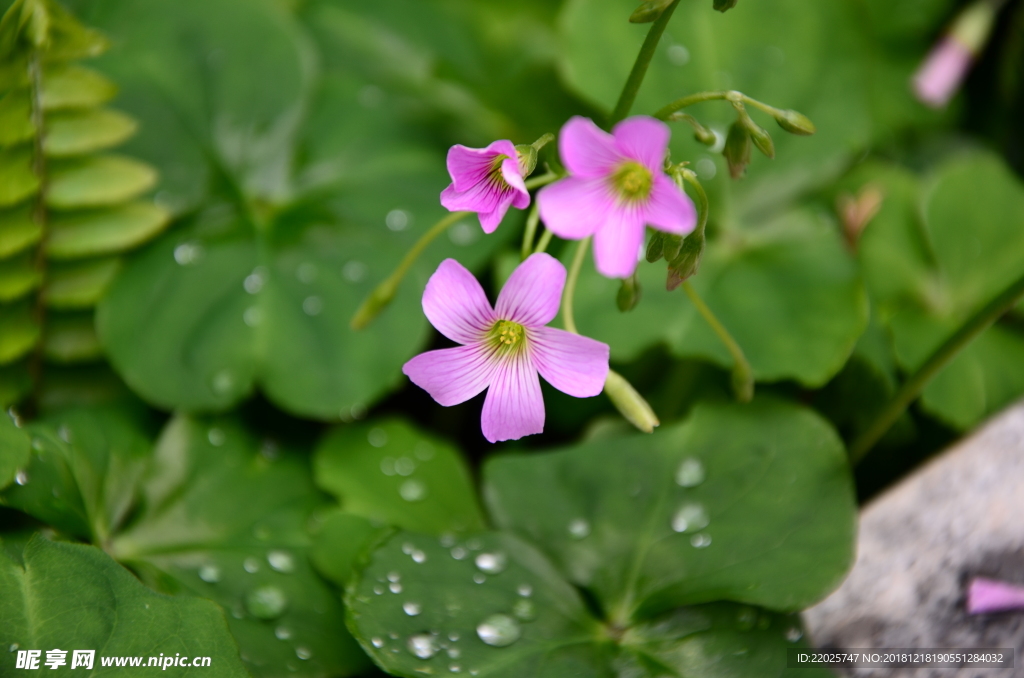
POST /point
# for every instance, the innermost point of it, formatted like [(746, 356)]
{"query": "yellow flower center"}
[(633, 181), (507, 336)]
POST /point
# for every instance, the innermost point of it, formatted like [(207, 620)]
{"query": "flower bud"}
[(527, 158), (942, 73), (655, 249), (737, 150), (687, 262), (759, 135), (629, 294), (795, 122), (629, 403), (671, 244), (649, 11), (724, 5)]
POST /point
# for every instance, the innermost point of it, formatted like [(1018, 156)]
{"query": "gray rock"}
[(920, 543)]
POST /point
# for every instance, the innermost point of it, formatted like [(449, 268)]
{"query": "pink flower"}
[(485, 181), (939, 77), (503, 349), (616, 186), (989, 595)]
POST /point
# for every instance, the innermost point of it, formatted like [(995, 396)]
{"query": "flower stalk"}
[(742, 374), (643, 61)]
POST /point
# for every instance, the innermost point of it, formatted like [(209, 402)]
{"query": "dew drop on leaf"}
[(458, 553), (216, 436), (209, 573), (282, 633), (422, 645), (377, 437), (395, 587), (282, 561), (690, 473), (377, 641), (405, 466), (690, 517), (454, 668), (492, 563), (525, 590), (21, 478), (524, 609), (412, 609), (479, 578), (499, 630), (413, 490), (700, 540), (266, 602), (251, 565), (419, 557), (794, 634), (579, 528), (303, 652)]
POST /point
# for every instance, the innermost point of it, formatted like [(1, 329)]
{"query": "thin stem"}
[(531, 230), (643, 60), (725, 95), (743, 375), (542, 180), (570, 285), (914, 384), (545, 240), (385, 292)]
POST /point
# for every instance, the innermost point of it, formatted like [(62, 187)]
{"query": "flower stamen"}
[(507, 336), (632, 181)]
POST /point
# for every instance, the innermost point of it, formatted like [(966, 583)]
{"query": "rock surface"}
[(920, 543)]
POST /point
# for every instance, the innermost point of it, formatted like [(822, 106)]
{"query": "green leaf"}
[(14, 450), (18, 277), (691, 514), (18, 230), (15, 383), (73, 86), (391, 473), (18, 332), (71, 338), (16, 118), (17, 180), (725, 5), (69, 39), (788, 292), (97, 181), (79, 284), (77, 132), (104, 231), (340, 538), (112, 612)]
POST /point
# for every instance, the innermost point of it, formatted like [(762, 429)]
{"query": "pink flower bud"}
[(989, 595)]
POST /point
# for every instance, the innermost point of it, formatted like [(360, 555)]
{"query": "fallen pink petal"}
[(990, 595), (616, 187), (487, 181), (505, 349)]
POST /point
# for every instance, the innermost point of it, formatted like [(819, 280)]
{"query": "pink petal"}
[(513, 175), (616, 246), (489, 221), (456, 305), (939, 78), (514, 406), (643, 139), (571, 363), (452, 375), (669, 208), (574, 208), (533, 291), (484, 197), (586, 149), (989, 595), (467, 166)]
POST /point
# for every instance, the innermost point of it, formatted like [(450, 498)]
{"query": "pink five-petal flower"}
[(485, 181), (616, 186), (989, 595), (503, 349)]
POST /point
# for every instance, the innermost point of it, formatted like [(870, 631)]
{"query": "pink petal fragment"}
[(451, 375), (512, 173), (939, 77), (489, 221), (643, 139), (533, 291), (456, 305), (617, 245), (586, 149), (467, 166), (571, 363), (484, 198), (669, 208), (514, 406), (989, 595), (574, 208)]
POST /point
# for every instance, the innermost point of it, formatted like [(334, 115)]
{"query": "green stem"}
[(743, 375), (570, 284), (725, 95), (531, 230), (545, 240), (914, 384), (643, 60), (385, 292), (542, 180)]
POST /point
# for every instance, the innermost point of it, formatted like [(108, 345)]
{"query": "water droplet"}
[(393, 636), (387, 466), (454, 668), (524, 609), (453, 653), (266, 602), (377, 437), (690, 517), (282, 561), (378, 589), (499, 630), (306, 272), (13, 647), (413, 490), (312, 305), (424, 451), (38, 444), (223, 382), (394, 576), (397, 220), (794, 634), (303, 652), (422, 645), (418, 557), (525, 590), (408, 548), (253, 316), (690, 472), (64, 433), (491, 563), (447, 540), (454, 636), (395, 587), (479, 578), (189, 253), (404, 466), (216, 437), (678, 55), (209, 573), (706, 168), (253, 282), (377, 642), (354, 271), (579, 528), (282, 633), (412, 609), (21, 478), (458, 553), (700, 540)]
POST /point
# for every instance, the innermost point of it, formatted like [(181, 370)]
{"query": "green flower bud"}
[(723, 5), (655, 250), (527, 158), (649, 11), (629, 294), (671, 244), (795, 122), (629, 403), (687, 262), (737, 150), (759, 135)]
